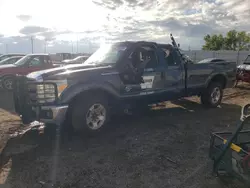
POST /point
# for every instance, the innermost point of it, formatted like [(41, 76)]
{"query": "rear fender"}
[(212, 76)]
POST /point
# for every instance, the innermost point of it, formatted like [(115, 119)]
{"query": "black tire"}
[(81, 108), (207, 98), (6, 80)]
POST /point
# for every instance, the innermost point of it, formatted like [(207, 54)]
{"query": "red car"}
[(243, 71), (24, 66)]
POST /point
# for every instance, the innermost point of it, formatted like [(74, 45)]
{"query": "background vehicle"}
[(2, 57), (24, 66), (243, 71), (77, 60), (10, 60), (124, 75), (212, 60)]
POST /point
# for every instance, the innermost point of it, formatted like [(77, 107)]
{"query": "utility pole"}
[(89, 47), (77, 43), (32, 45), (6, 49), (45, 46)]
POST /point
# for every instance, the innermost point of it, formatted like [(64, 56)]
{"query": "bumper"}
[(51, 114), (243, 77)]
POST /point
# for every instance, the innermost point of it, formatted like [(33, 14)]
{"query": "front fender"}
[(69, 93)]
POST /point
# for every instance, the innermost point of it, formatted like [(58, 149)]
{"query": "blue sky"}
[(58, 24)]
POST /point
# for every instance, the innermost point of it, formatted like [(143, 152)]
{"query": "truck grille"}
[(42, 93), (30, 92)]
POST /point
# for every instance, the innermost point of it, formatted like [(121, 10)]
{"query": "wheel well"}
[(219, 78), (92, 92)]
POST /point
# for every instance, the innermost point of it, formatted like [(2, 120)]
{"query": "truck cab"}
[(243, 71), (119, 76)]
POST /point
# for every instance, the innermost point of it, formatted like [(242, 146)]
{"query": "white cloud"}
[(94, 20)]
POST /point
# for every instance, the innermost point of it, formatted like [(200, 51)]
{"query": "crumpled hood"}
[(244, 67), (63, 71)]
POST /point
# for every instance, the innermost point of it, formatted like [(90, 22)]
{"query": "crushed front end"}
[(243, 75), (39, 100)]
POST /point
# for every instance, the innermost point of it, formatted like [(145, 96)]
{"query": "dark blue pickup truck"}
[(124, 75)]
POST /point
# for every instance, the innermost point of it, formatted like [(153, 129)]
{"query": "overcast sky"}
[(61, 22)]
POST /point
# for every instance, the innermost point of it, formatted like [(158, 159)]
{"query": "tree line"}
[(233, 40)]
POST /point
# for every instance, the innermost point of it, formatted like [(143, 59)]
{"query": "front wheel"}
[(212, 96), (8, 83), (90, 113)]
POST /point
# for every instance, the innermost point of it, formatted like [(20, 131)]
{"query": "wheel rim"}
[(96, 116), (8, 84), (215, 95)]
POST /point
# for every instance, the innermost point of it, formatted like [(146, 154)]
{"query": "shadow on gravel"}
[(160, 149)]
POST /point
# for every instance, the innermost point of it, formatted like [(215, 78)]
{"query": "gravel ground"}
[(166, 148)]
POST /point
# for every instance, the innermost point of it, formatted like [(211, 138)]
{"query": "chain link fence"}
[(237, 56)]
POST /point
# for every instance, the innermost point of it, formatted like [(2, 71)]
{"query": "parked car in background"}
[(243, 71), (77, 60), (213, 60), (10, 60), (2, 57), (24, 66)]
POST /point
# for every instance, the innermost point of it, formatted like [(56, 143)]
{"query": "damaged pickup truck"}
[(123, 75)]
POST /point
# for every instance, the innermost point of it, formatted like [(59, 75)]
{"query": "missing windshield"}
[(106, 55)]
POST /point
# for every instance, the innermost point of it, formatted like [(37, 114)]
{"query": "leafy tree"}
[(208, 43), (214, 42), (243, 40), (232, 41)]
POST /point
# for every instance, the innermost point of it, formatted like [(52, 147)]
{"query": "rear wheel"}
[(90, 113), (212, 96)]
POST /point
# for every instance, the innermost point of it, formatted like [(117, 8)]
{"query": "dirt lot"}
[(167, 148)]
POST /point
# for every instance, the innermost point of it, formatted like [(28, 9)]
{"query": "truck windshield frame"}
[(107, 54)]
